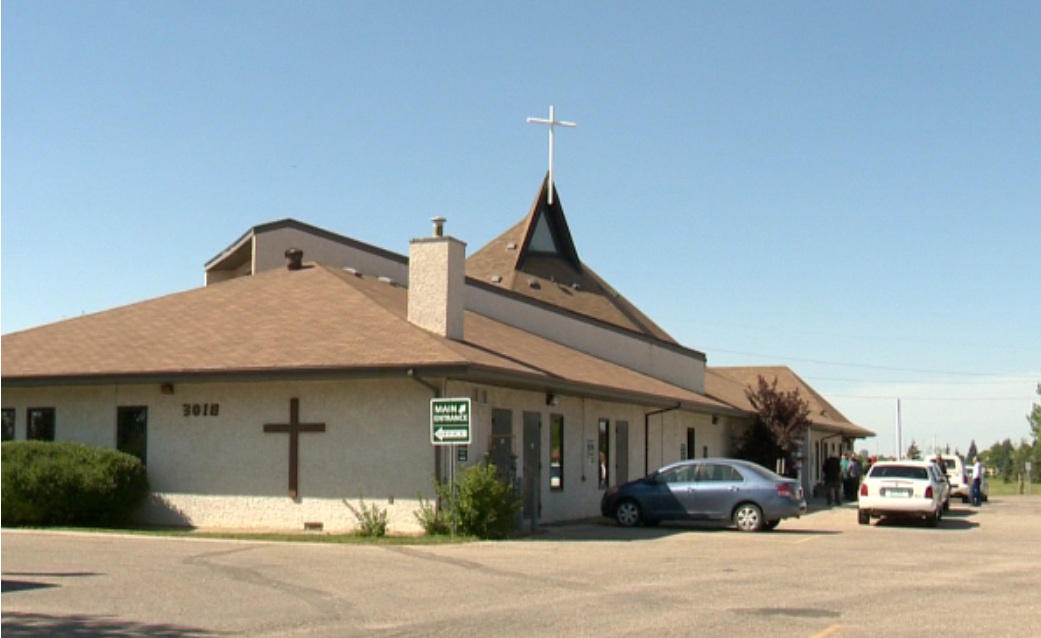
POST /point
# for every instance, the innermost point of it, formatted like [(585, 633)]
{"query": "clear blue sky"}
[(849, 189)]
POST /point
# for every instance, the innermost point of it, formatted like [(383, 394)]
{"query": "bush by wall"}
[(62, 483), (484, 505)]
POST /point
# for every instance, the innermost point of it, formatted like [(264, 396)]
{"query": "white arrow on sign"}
[(441, 434)]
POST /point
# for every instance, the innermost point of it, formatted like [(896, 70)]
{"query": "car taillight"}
[(863, 489), (784, 491), (929, 491)]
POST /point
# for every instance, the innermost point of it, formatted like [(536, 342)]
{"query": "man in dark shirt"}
[(833, 479)]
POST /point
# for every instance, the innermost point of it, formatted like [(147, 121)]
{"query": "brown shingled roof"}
[(316, 320), (728, 384)]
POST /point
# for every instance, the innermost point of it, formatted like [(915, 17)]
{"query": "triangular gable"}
[(547, 233)]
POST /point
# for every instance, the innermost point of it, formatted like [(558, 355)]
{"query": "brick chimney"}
[(437, 283)]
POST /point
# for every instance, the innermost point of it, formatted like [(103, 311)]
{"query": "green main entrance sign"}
[(450, 421)]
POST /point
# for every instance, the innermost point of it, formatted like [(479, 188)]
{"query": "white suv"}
[(954, 468), (911, 489)]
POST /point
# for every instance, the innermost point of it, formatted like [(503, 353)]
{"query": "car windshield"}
[(900, 471)]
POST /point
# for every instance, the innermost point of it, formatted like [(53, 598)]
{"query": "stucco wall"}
[(224, 471), (271, 246)]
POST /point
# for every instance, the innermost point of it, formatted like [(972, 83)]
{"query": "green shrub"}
[(62, 483), (436, 521), (484, 505), (372, 521)]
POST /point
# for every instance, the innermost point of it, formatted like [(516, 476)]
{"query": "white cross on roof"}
[(551, 123)]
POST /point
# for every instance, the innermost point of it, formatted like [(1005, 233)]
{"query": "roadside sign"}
[(450, 421)]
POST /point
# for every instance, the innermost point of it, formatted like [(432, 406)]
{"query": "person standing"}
[(853, 482), (832, 470), (977, 479)]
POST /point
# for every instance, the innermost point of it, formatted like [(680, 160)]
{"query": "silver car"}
[(750, 496)]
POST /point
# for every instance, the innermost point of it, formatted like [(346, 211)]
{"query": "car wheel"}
[(986, 498), (627, 513), (965, 499), (769, 526), (947, 505), (932, 520), (748, 517), (863, 517)]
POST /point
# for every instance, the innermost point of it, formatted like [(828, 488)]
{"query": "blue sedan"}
[(750, 496)]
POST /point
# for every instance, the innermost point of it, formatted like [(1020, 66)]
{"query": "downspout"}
[(647, 435), (437, 395)]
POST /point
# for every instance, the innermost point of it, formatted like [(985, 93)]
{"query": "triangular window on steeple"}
[(547, 234), (542, 238)]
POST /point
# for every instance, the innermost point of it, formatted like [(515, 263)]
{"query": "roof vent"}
[(294, 258), (576, 286), (352, 271), (533, 283), (511, 246), (388, 281), (496, 279), (439, 226)]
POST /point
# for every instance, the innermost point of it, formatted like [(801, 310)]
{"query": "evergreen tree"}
[(913, 452), (972, 453), (1034, 419)]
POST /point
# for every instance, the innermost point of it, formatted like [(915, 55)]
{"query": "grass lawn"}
[(999, 487)]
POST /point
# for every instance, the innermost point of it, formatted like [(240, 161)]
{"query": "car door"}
[(717, 489), (665, 501)]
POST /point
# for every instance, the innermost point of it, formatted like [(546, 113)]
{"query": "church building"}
[(305, 373)]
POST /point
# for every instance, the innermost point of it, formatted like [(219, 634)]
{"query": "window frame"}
[(124, 440), (556, 452), (9, 426), (31, 433)]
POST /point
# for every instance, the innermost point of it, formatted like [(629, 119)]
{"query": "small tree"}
[(1034, 419), (782, 418), (482, 503)]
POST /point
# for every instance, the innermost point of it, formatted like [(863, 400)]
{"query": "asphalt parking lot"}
[(822, 575)]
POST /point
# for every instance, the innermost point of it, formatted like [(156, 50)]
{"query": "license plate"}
[(897, 492)]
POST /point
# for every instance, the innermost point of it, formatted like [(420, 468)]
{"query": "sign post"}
[(450, 425)]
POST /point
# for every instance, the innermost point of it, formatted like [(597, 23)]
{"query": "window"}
[(717, 473), (556, 452), (604, 436), (8, 430), (39, 424), (899, 472), (678, 474), (132, 431)]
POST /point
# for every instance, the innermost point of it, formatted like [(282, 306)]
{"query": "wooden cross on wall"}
[(294, 428)]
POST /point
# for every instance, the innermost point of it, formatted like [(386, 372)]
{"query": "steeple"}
[(536, 258), (547, 233)]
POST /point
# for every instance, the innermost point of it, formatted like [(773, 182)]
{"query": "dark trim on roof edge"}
[(289, 222)]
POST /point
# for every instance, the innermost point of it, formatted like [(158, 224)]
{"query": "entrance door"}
[(532, 464), (501, 452), (621, 445), (692, 448)]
